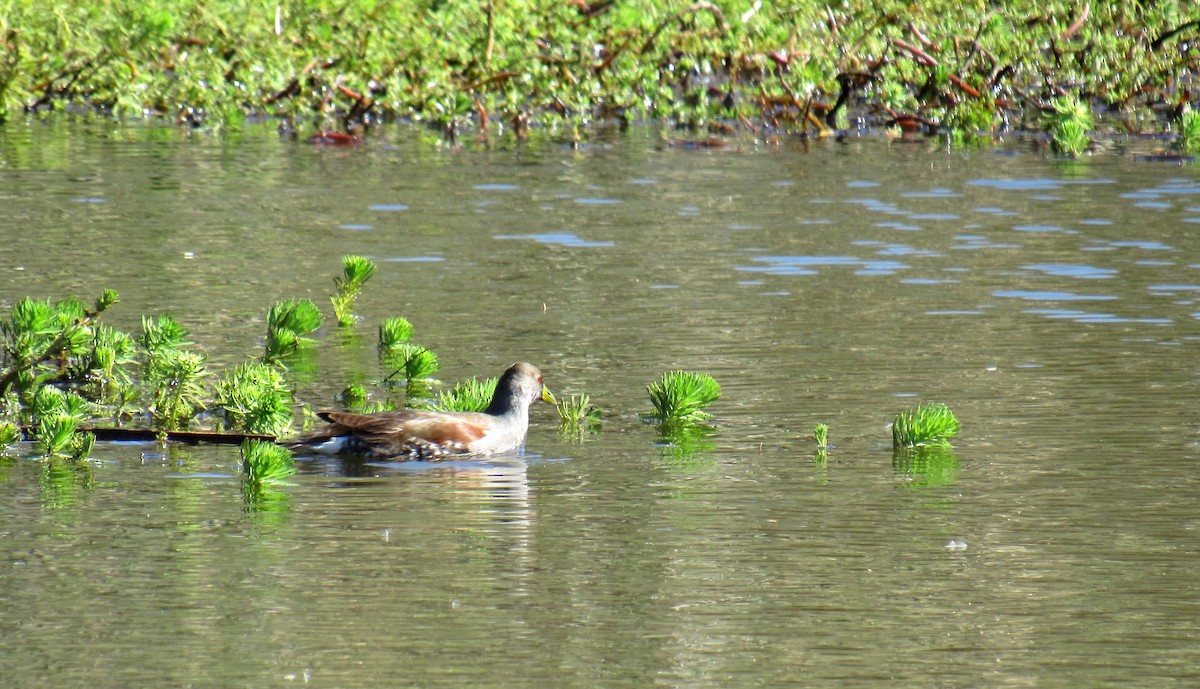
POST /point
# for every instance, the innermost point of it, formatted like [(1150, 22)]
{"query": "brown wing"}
[(409, 431)]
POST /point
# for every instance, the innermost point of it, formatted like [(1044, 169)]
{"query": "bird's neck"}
[(507, 407)]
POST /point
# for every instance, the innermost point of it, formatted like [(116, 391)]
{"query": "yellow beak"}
[(547, 397)]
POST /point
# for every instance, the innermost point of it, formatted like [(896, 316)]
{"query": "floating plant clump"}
[(9, 434), (255, 398), (265, 463), (927, 424), (58, 417), (576, 416), (1189, 130), (1068, 123), (471, 394), (821, 435), (681, 396), (289, 322), (577, 409)]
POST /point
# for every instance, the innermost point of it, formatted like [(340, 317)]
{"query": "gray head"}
[(517, 388)]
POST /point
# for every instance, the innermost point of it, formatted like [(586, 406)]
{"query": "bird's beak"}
[(547, 397)]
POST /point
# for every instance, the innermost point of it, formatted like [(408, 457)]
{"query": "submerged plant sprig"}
[(356, 270), (578, 410), (265, 463), (681, 396), (821, 435), (927, 424)]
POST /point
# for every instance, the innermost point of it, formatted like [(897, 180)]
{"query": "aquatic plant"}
[(1068, 122), (410, 362), (394, 331), (289, 322), (9, 434), (929, 424), (356, 270), (821, 434), (471, 394), (577, 410), (354, 396), (255, 398), (45, 342), (265, 463), (176, 378), (58, 416), (681, 396), (521, 64), (1189, 130)]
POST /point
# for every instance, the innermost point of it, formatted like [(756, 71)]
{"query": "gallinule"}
[(418, 434)]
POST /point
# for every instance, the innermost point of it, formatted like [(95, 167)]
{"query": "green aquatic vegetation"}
[(255, 398), (177, 383), (578, 410), (471, 394), (821, 435), (564, 65), (173, 375), (58, 416), (48, 342), (681, 396), (1069, 122), (10, 433), (162, 334), (576, 416), (927, 424), (265, 463), (354, 396), (407, 361), (1189, 130), (394, 331), (289, 322), (410, 362), (356, 270)]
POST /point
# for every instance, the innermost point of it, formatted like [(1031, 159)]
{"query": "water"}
[(1053, 306)]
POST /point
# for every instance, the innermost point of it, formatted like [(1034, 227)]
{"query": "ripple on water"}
[(1047, 295), (807, 265), (1042, 228), (597, 201), (556, 238), (1130, 244), (388, 207), (1089, 317), (935, 193), (1071, 270)]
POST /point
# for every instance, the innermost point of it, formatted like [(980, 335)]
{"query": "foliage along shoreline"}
[(808, 68)]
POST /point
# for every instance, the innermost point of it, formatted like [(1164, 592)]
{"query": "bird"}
[(417, 434)]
